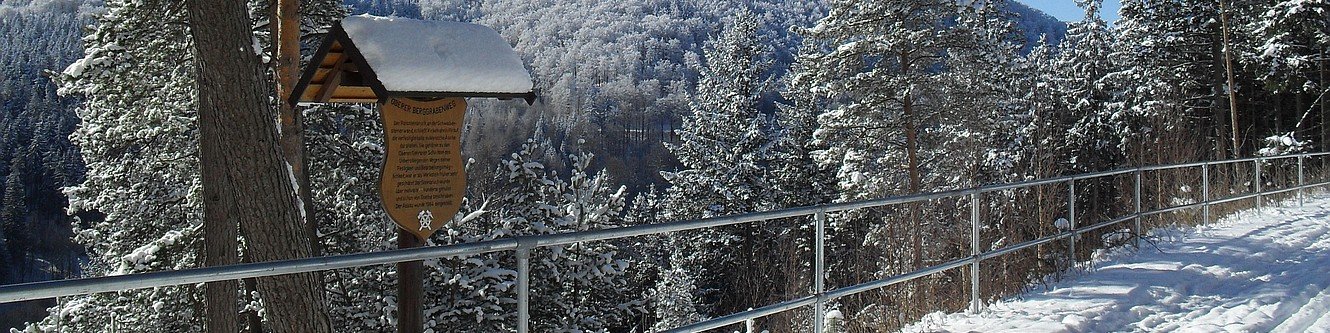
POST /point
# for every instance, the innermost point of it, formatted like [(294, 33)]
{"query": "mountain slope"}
[(1035, 23)]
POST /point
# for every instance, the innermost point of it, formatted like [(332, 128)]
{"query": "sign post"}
[(410, 287), (422, 185)]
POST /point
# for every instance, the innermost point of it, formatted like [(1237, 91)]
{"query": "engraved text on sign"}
[(423, 182)]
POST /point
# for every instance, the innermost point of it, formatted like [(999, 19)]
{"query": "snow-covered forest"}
[(37, 158), (652, 111)]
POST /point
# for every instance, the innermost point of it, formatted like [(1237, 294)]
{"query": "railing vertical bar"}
[(523, 289), (819, 271), (1300, 181), (1205, 193), (1071, 214), (1137, 188), (976, 303), (1256, 173)]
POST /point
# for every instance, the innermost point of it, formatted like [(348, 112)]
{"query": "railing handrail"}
[(92, 285)]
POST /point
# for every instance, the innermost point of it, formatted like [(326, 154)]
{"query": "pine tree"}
[(15, 222), (1083, 62), (581, 286), (727, 151), (878, 78), (141, 163), (795, 173), (1288, 52), (138, 136), (977, 91), (725, 142), (1170, 73), (909, 90), (674, 297), (575, 287)]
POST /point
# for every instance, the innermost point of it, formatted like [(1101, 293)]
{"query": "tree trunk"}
[(239, 154), (1325, 112), (220, 247), (287, 48), (1220, 114), (916, 183), (253, 321), (1232, 87), (916, 186)]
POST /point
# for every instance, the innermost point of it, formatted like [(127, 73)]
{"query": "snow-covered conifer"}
[(983, 121), (139, 141), (725, 142), (1169, 73), (1292, 37), (727, 150), (582, 286), (139, 138), (1087, 139), (674, 297)]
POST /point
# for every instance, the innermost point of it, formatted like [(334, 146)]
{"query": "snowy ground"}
[(1265, 271)]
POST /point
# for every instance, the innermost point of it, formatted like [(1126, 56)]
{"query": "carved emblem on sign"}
[(426, 218), (422, 182)]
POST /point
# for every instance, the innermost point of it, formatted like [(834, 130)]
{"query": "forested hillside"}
[(36, 157), (618, 73), (661, 110)]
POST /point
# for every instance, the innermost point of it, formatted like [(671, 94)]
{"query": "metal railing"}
[(522, 245)]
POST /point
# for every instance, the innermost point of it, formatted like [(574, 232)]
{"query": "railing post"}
[(1071, 214), (819, 271), (1257, 174), (976, 303), (1139, 233), (1205, 193), (1300, 182), (523, 289)]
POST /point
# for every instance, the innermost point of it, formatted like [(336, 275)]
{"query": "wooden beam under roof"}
[(331, 83)]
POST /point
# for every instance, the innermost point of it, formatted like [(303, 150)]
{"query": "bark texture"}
[(240, 158), (286, 69), (219, 248)]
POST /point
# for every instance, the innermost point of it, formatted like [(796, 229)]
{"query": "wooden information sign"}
[(423, 181)]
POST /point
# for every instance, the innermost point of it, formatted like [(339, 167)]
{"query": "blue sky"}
[(1066, 10)]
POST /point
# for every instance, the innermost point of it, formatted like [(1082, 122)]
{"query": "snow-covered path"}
[(1265, 271)]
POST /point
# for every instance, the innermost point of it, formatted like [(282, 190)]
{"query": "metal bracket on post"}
[(1205, 193), (819, 271), (1071, 218), (1139, 233), (976, 303), (524, 246)]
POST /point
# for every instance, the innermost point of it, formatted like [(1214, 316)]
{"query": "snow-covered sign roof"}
[(369, 58)]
